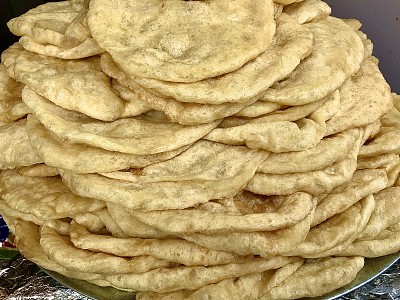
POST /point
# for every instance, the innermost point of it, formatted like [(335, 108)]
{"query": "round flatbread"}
[(173, 249), (292, 43), (317, 277), (77, 85), (147, 134), (337, 54), (165, 39), (245, 212), (205, 171), (48, 23), (80, 158), (364, 97), (308, 10), (15, 148), (44, 197)]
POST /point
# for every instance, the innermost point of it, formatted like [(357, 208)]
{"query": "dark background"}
[(380, 19)]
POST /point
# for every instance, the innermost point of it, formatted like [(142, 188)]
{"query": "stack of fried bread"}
[(216, 149)]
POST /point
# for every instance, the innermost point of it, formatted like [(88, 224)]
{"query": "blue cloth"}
[(4, 232)]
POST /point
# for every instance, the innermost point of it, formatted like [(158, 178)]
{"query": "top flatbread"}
[(292, 43), (182, 41)]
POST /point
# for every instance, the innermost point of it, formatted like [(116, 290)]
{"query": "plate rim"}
[(91, 290)]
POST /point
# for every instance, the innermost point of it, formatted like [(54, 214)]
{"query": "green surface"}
[(6, 253)]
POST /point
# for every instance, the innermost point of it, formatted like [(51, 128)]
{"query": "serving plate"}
[(373, 267)]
